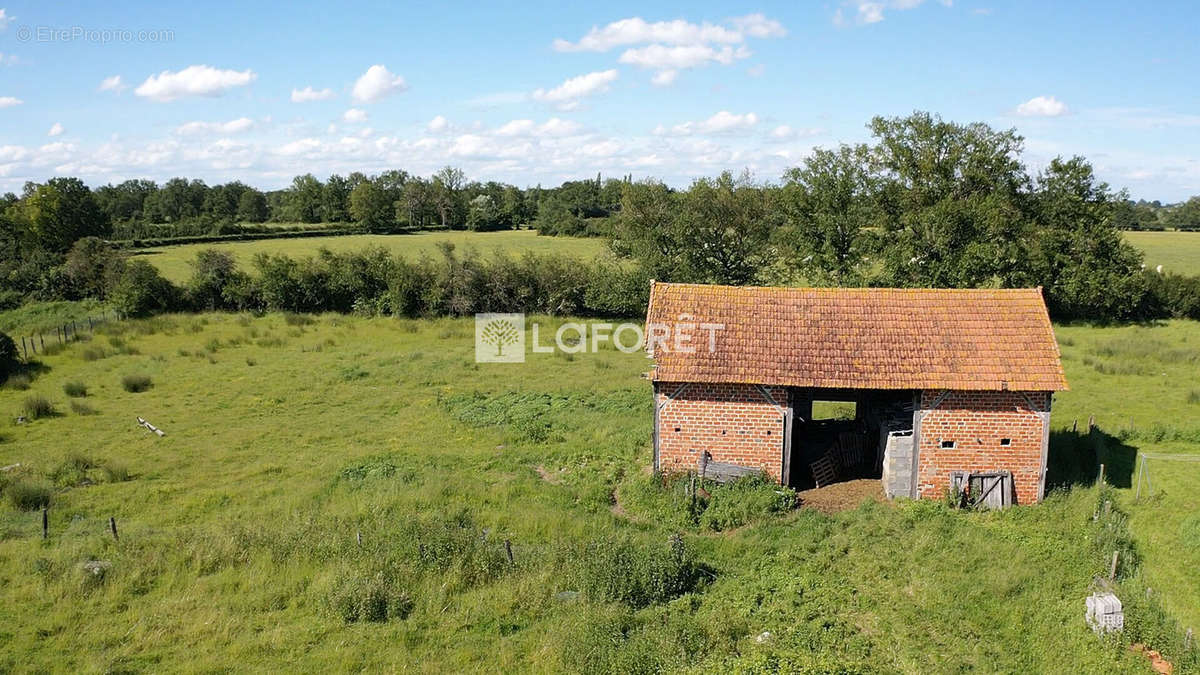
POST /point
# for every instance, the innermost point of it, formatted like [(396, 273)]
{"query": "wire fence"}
[(36, 344)]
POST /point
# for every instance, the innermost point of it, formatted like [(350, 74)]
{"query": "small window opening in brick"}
[(947, 445), (768, 432), (1005, 441), (676, 429), (722, 432)]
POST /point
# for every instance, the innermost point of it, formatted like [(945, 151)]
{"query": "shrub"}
[(635, 574), (142, 291), (9, 359), (28, 495), (81, 408), (94, 353), (369, 597), (745, 500), (115, 472), (75, 389), (136, 383), (72, 471), (37, 407)]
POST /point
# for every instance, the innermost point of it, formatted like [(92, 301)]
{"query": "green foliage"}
[(377, 597), (38, 407), (18, 382), (9, 357), (81, 408), (140, 291), (72, 471), (136, 383), (743, 501), (27, 494), (75, 389), (634, 573)]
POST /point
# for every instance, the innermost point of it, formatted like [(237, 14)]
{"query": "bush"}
[(635, 574), (72, 471), (369, 597), (745, 500), (9, 358), (142, 291), (75, 389), (37, 407), (81, 408), (135, 384), (28, 495), (115, 472)]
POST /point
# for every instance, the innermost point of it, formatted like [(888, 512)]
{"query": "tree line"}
[(925, 203)]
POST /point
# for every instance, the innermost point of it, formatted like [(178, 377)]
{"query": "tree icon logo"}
[(500, 338)]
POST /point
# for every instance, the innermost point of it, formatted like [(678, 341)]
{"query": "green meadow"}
[(1177, 252), (174, 262), (343, 493)]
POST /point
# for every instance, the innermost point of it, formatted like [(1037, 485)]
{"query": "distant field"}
[(174, 261), (1176, 251)]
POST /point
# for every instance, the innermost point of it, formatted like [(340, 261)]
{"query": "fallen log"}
[(151, 427)]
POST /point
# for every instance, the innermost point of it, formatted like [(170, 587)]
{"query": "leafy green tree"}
[(725, 226), (1085, 265), (55, 214), (252, 207), (303, 199), (646, 229), (951, 202), (93, 267), (142, 291), (829, 203), (372, 207), (1185, 216), (447, 196), (126, 201), (335, 200), (214, 277)]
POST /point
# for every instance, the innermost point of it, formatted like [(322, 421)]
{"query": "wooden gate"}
[(987, 489)]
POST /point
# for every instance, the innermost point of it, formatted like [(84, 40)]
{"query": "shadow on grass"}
[(1075, 459)]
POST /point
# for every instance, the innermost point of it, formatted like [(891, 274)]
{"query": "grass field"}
[(1177, 252), (175, 261), (321, 469)]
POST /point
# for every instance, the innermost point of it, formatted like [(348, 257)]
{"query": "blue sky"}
[(542, 92)]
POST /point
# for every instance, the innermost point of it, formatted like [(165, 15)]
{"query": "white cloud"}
[(756, 70), (192, 81), (783, 131), (438, 124), (1042, 106), (309, 94), (5, 19), (872, 11), (551, 128), (670, 46), (636, 30), (664, 78), (567, 94), (721, 123), (355, 116), (231, 127), (9, 101), (113, 83), (377, 83), (661, 57), (56, 130)]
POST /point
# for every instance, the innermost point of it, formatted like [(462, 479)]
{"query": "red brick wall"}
[(735, 423), (976, 421)]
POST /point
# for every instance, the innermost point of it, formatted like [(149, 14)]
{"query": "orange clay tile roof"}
[(858, 338)]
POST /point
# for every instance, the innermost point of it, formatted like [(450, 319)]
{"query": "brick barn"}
[(948, 387)]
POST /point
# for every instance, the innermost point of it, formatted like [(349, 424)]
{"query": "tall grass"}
[(136, 383)]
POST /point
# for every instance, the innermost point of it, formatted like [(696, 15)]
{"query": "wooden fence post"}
[(112, 524), (1187, 640), (24, 349), (1112, 573), (508, 551), (45, 522)]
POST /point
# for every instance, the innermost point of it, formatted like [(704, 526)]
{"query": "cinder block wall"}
[(977, 421), (735, 423)]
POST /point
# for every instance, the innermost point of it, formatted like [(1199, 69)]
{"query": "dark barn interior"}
[(846, 447)]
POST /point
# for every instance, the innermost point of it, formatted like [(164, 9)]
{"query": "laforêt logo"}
[(500, 338)]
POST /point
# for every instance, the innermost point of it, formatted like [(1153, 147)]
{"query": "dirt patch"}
[(1157, 662), (549, 476), (842, 496)]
